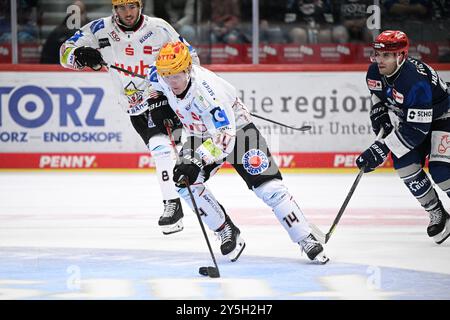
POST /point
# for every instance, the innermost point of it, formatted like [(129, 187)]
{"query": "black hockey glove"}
[(160, 110), (373, 156), (87, 56), (380, 119), (188, 166)]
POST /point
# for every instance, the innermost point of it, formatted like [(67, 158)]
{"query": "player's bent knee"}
[(272, 192), (160, 146), (197, 190), (409, 170)]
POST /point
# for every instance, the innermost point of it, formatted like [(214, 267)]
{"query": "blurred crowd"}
[(229, 21)]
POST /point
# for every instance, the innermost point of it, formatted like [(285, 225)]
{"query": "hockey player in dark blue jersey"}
[(411, 105)]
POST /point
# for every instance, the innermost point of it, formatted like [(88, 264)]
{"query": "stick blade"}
[(304, 128), (211, 272)]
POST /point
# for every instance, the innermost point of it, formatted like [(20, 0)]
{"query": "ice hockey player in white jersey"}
[(219, 129), (131, 40)]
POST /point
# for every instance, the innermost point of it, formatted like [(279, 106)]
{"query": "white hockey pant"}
[(275, 194)]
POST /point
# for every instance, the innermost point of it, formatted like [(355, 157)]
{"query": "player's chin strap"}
[(322, 237)]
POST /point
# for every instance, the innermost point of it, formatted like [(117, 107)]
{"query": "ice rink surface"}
[(94, 235)]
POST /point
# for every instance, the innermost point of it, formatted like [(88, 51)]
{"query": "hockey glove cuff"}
[(373, 157), (379, 118), (189, 166)]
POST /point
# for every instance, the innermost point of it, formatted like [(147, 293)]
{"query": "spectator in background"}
[(312, 21), (272, 26), (409, 9), (408, 16), (5, 21), (180, 14), (352, 16), (440, 10), (226, 22), (50, 50), (440, 16), (27, 21)]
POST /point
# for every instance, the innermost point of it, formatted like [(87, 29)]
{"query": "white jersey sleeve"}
[(82, 38), (218, 98)]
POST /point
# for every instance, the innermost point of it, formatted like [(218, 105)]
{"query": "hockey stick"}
[(124, 70), (212, 272), (303, 128), (324, 238)]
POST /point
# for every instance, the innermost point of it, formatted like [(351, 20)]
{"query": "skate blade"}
[(236, 253), (441, 237), (321, 259), (172, 228)]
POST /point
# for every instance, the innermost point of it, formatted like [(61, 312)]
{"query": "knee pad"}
[(211, 212), (160, 146), (162, 154), (272, 192), (275, 195)]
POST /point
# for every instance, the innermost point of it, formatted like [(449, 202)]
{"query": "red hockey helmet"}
[(392, 41)]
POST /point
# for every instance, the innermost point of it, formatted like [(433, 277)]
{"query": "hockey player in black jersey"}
[(411, 104)]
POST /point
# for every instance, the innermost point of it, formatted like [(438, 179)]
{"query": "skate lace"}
[(435, 216), (308, 244), (169, 209), (225, 234)]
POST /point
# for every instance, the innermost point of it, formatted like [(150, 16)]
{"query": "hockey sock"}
[(422, 189)]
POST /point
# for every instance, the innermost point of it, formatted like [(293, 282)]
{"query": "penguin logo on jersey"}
[(445, 144), (255, 162)]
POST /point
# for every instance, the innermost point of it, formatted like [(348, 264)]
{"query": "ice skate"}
[(232, 242), (443, 224), (171, 219), (313, 249), (438, 218)]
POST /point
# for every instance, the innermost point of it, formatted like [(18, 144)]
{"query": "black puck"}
[(203, 271)]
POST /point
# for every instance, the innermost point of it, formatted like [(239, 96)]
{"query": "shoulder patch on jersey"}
[(398, 97), (104, 42), (420, 115), (220, 118), (97, 25), (76, 36), (374, 85), (152, 74)]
